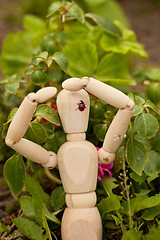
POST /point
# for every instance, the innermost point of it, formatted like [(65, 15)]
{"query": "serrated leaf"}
[(61, 60), (107, 25), (109, 184), (100, 131), (48, 113), (11, 88), (77, 12), (43, 55), (132, 235), (82, 57), (137, 110), (29, 228), (151, 105), (27, 207), (36, 133), (58, 198), (146, 125), (111, 43), (34, 187), (152, 167), (29, 70), (136, 155), (108, 204), (14, 172), (139, 100), (54, 7), (39, 77)]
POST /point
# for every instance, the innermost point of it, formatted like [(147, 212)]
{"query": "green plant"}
[(46, 53)]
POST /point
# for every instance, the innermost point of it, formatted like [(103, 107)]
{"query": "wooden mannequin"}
[(77, 158)]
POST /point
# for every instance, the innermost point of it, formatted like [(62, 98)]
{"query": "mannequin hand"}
[(42, 95), (75, 84), (52, 161), (105, 157)]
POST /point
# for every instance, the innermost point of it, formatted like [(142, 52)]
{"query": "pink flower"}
[(102, 168), (45, 121)]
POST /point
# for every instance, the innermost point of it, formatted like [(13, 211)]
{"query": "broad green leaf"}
[(153, 74), (153, 163), (27, 207), (111, 43), (54, 143), (109, 184), (132, 235), (153, 234), (54, 7), (49, 129), (141, 202), (14, 172), (137, 110), (77, 12), (11, 88), (34, 187), (137, 178), (38, 207), (112, 66), (82, 56), (153, 92), (61, 60), (136, 155), (58, 198), (139, 100), (36, 133), (75, 29), (43, 55), (33, 23), (100, 131), (151, 213), (97, 112), (108, 204), (146, 125), (107, 25), (29, 70), (39, 77), (29, 228), (18, 55), (48, 113), (149, 104)]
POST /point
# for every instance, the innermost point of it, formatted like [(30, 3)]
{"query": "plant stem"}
[(51, 176)]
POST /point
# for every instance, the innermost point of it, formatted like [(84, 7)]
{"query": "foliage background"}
[(134, 181)]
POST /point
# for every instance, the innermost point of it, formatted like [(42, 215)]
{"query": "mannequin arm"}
[(19, 126)]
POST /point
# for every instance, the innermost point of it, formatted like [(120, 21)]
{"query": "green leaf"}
[(141, 202), (58, 198), (153, 234), (51, 216), (14, 172), (29, 70), (151, 105), (100, 131), (132, 235), (109, 184), (54, 7), (48, 113), (77, 12), (33, 23), (27, 207), (29, 228), (153, 163), (11, 88), (38, 207), (108, 204), (119, 45), (112, 66), (137, 178), (107, 25), (137, 110), (49, 129), (136, 155), (153, 74), (39, 77), (151, 213), (34, 187), (82, 56), (18, 55), (36, 133), (97, 112), (61, 60), (146, 125), (5, 125)]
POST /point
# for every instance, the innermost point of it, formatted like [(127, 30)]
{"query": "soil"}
[(144, 18)]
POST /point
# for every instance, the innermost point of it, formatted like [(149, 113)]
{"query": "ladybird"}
[(81, 106)]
